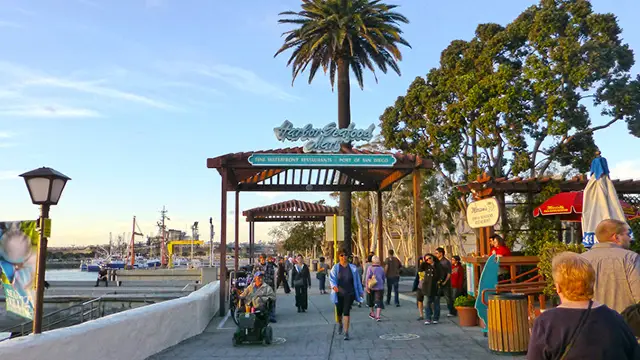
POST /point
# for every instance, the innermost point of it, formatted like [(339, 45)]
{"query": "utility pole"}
[(163, 232)]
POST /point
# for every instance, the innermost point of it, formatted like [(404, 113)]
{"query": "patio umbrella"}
[(600, 201), (568, 206)]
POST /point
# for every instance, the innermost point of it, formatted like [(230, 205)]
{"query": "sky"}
[(130, 97)]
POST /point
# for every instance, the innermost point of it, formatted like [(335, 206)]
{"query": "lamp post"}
[(45, 187)]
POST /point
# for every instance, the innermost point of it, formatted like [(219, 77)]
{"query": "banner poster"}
[(18, 255)]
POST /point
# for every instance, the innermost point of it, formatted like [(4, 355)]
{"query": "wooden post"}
[(417, 215), (251, 240), (223, 243), (380, 237), (237, 228)]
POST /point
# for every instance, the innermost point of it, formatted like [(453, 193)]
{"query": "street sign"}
[(323, 160)]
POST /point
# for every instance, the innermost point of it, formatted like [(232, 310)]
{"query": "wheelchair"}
[(238, 282), (253, 325)]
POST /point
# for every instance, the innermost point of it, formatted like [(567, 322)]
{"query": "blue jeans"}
[(393, 282), (433, 314), (321, 281)]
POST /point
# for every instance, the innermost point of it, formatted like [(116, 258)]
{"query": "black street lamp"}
[(45, 188)]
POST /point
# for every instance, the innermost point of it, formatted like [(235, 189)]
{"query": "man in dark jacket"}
[(282, 276)]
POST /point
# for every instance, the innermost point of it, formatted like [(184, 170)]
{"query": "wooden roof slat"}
[(520, 185), (291, 210)]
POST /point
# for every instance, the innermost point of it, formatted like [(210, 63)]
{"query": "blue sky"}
[(129, 98)]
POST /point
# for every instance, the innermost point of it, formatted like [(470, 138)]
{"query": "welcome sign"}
[(326, 139)]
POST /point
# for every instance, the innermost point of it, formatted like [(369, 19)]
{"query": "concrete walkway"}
[(312, 335)]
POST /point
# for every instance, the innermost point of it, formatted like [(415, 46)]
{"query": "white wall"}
[(132, 335)]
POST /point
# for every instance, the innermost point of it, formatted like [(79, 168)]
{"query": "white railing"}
[(132, 334)]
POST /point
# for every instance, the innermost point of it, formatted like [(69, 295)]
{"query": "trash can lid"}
[(507, 296)]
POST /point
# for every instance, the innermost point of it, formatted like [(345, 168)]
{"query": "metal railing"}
[(72, 315)]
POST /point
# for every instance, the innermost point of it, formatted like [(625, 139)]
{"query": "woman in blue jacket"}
[(346, 287)]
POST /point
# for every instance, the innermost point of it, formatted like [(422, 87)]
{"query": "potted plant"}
[(467, 313)]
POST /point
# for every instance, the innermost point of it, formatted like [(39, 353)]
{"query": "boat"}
[(153, 263)]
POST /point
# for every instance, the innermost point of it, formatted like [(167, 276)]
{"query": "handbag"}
[(372, 281), (576, 332), (298, 282)]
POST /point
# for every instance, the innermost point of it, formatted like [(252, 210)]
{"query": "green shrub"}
[(547, 252), (465, 301)]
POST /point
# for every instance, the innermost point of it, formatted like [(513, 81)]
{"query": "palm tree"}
[(338, 35)]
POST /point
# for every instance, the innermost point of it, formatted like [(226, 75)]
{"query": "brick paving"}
[(312, 335)]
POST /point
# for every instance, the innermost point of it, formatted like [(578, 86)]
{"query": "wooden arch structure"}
[(239, 173), (291, 210)]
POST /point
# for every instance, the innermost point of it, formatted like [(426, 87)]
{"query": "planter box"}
[(468, 316)]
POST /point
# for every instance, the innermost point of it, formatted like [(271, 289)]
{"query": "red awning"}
[(568, 205)]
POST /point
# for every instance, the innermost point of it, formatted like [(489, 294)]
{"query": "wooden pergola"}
[(239, 174), (291, 210), (485, 187)]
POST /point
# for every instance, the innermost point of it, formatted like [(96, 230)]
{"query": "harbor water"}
[(69, 275)]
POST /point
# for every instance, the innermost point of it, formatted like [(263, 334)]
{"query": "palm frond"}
[(364, 33)]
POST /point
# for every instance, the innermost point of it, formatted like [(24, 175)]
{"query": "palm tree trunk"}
[(344, 119)]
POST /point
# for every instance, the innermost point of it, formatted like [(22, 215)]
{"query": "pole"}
[(40, 270), (237, 228), (223, 243), (211, 233), (335, 256), (133, 234), (417, 214), (380, 237)]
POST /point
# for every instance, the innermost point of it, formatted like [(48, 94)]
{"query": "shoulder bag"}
[(576, 332)]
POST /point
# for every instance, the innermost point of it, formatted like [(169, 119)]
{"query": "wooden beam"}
[(380, 237), (309, 187), (237, 229), (417, 214), (223, 244), (392, 178)]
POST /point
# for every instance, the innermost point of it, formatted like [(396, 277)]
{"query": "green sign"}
[(323, 160)]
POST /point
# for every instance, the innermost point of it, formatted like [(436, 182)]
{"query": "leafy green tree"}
[(513, 99), (338, 36)]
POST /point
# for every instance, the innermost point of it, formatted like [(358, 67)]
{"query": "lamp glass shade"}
[(39, 189), (56, 190)]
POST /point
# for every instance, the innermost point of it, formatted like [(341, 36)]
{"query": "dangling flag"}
[(600, 201)]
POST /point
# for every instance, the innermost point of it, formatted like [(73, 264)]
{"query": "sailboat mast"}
[(132, 252)]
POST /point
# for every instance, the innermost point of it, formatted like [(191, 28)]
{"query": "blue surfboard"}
[(488, 280)]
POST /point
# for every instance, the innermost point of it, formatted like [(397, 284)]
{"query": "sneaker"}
[(339, 329), (372, 316), (346, 336), (397, 305), (420, 318), (427, 322), (451, 315), (378, 319), (435, 322)]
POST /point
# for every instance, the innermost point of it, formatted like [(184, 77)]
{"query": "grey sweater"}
[(617, 275)]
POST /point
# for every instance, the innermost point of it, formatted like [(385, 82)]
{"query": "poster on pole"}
[(18, 255)]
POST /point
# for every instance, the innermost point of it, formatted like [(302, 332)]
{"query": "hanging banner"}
[(18, 254)]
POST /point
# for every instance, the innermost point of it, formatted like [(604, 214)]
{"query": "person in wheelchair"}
[(258, 295)]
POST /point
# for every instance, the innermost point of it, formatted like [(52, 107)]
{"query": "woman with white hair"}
[(374, 285)]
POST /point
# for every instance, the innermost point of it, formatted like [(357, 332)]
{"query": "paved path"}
[(312, 335)]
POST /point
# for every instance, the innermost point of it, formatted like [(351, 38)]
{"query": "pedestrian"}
[(301, 281), (433, 275), (366, 266), (268, 269), (360, 269), (345, 289), (457, 277), (617, 282), (102, 276), (282, 276), (392, 272), (445, 284), (321, 275), (417, 288), (374, 282), (579, 328)]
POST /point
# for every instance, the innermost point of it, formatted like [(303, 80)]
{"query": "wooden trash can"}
[(508, 325)]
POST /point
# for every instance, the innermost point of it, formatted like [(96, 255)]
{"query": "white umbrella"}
[(600, 201)]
